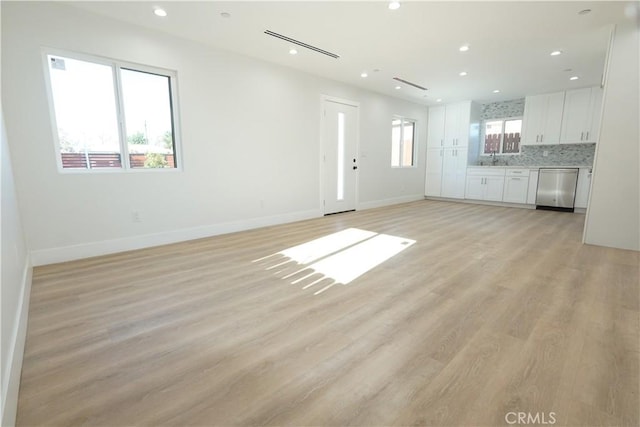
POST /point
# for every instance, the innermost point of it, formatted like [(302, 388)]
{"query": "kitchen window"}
[(502, 136), (403, 132), (110, 115)]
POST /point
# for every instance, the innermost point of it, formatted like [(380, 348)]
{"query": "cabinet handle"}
[(515, 179), (441, 142), (587, 138), (581, 136), (541, 137), (537, 137), (440, 153)]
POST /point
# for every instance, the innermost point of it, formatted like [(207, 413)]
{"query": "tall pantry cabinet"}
[(453, 131)]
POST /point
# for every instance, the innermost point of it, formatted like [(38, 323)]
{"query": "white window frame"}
[(503, 120), (414, 160), (116, 65)]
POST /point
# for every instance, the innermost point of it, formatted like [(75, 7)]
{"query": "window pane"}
[(407, 144), (492, 134), (340, 178), (85, 112), (395, 142), (147, 111), (511, 140)]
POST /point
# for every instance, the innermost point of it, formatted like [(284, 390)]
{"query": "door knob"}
[(355, 167)]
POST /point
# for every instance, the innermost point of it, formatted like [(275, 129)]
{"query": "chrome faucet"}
[(494, 158)]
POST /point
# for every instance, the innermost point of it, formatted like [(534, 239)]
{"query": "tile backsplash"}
[(501, 110), (557, 155), (531, 155)]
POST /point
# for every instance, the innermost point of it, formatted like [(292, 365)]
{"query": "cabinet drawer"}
[(518, 172), (485, 171)]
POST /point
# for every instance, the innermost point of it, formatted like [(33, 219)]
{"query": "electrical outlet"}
[(135, 216), (545, 153)]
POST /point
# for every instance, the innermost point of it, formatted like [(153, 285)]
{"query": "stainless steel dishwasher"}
[(557, 189)]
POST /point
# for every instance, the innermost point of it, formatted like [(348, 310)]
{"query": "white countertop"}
[(530, 167)]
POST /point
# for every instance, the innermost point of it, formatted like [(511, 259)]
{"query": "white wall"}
[(250, 134), (613, 216), (15, 286)]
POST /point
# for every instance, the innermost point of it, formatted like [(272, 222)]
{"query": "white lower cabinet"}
[(516, 186), (485, 184), (446, 171), (583, 187), (433, 178), (533, 187)]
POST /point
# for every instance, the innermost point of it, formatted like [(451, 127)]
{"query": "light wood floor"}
[(493, 310)]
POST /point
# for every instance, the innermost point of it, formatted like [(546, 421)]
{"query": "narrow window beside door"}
[(402, 142), (340, 180), (110, 115)]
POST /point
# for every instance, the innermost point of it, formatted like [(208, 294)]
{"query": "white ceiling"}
[(510, 42)]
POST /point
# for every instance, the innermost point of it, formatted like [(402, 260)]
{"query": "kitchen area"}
[(533, 152)]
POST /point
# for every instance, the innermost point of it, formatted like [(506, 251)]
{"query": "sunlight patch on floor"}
[(342, 257)]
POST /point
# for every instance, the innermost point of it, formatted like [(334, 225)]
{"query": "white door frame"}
[(328, 98)]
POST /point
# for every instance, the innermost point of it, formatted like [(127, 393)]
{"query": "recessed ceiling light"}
[(293, 51), (496, 91), (573, 78), (398, 87), (160, 12), (394, 5), (225, 15), (439, 100), (464, 48), (363, 75), (463, 73), (556, 53), (584, 11)]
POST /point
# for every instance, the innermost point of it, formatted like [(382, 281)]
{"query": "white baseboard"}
[(13, 368), (388, 202), (105, 247)]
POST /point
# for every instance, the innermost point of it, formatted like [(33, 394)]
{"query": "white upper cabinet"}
[(456, 124), (449, 125), (581, 116), (448, 137), (435, 132), (542, 119)]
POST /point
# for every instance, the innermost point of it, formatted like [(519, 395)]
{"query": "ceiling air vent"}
[(409, 83), (299, 43)]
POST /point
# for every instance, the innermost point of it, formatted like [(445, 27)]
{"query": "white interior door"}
[(340, 134)]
